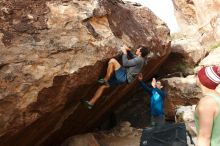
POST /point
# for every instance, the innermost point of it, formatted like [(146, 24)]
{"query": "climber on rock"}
[(118, 74)]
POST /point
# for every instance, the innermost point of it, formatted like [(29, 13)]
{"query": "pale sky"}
[(163, 9)]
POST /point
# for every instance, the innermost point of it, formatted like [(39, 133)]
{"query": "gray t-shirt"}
[(133, 66)]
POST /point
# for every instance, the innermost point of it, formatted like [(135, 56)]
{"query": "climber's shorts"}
[(118, 77)]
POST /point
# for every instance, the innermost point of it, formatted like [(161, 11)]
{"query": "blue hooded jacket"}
[(157, 99)]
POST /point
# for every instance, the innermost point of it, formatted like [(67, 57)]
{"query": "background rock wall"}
[(196, 45)]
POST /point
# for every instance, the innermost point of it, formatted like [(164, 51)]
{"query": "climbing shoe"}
[(103, 82), (87, 104)]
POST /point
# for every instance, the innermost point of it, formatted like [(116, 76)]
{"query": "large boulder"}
[(185, 13), (53, 52), (186, 114), (82, 140), (206, 10), (121, 135), (190, 49), (186, 53), (199, 23), (199, 35), (180, 91), (199, 19), (213, 58)]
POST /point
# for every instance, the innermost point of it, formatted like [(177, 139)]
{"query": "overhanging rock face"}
[(53, 52)]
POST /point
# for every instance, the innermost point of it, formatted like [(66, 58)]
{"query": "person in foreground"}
[(207, 113), (118, 74), (156, 100)]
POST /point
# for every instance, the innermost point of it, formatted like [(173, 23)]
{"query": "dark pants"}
[(157, 120)]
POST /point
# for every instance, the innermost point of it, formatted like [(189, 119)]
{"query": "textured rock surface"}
[(82, 140), (195, 46), (196, 16), (190, 49), (180, 91), (186, 114), (136, 109), (199, 22), (206, 10), (122, 135), (183, 61), (212, 59), (186, 53), (52, 53), (185, 13)]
